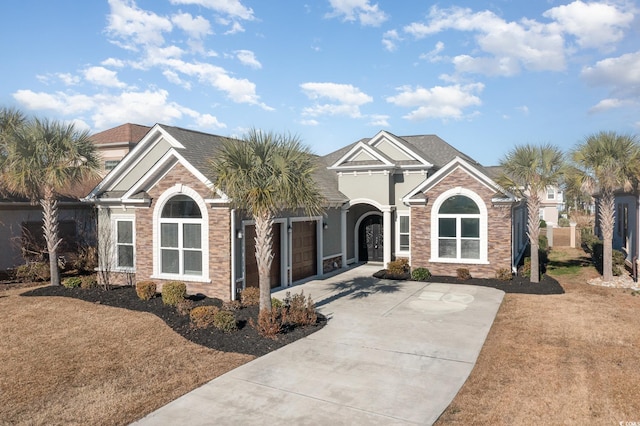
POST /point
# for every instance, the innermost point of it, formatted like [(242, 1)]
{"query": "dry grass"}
[(65, 361), (563, 359)]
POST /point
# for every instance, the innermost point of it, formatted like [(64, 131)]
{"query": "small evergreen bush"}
[(184, 307), (463, 274), (504, 274), (173, 292), (89, 281), (203, 316), (224, 321), (72, 282), (269, 323), (146, 290), (276, 303), (420, 274), (33, 271), (250, 296)]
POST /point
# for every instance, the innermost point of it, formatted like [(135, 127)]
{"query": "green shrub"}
[(184, 307), (525, 269), (420, 274), (250, 296), (543, 243), (225, 321), (617, 258), (89, 281), (399, 266), (298, 310), (72, 282), (276, 303), (543, 223), (563, 222), (146, 290), (504, 274), (33, 271), (463, 274), (203, 316), (173, 292)]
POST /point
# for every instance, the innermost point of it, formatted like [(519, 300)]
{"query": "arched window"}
[(459, 228), (181, 237)]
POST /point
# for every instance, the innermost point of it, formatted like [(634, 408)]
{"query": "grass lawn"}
[(572, 358)]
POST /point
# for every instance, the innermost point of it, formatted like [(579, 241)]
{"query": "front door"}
[(371, 238)]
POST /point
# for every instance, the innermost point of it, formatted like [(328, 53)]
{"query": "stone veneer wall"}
[(498, 229), (219, 238), (328, 264)]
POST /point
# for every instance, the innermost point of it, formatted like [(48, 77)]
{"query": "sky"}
[(485, 76)]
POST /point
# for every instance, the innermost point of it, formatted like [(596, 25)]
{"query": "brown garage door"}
[(304, 250), (251, 266)]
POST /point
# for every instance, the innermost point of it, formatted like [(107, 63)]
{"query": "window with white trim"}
[(181, 237), (403, 233), (124, 241), (551, 193), (110, 164), (459, 229)]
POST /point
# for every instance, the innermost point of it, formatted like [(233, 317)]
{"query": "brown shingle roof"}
[(125, 133)]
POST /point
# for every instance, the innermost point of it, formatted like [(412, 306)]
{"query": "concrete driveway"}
[(392, 353)]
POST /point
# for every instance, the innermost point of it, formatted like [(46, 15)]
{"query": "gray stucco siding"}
[(376, 187)]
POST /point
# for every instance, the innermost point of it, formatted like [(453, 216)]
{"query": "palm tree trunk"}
[(50, 229), (607, 220), (264, 257), (533, 231)]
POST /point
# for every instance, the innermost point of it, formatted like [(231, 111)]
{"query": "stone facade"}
[(219, 237), (498, 228)]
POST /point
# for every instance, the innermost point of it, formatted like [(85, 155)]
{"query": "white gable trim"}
[(359, 147), (382, 135)]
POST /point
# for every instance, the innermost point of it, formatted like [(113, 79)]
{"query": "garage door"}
[(304, 250), (251, 266)]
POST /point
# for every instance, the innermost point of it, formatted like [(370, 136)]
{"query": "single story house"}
[(387, 197)]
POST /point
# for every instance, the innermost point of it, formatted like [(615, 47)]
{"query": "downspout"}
[(233, 254)]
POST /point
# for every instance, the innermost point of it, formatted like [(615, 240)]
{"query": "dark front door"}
[(371, 239)]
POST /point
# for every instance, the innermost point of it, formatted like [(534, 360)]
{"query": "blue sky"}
[(483, 75)]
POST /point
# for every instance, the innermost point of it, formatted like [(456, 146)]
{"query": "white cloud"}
[(248, 58), (389, 39), (523, 109), (360, 10), (231, 8), (108, 110), (620, 75), (310, 122), (434, 55), (103, 77), (437, 102), (132, 26), (346, 99), (197, 27), (378, 120), (68, 79), (113, 62), (612, 103), (595, 25)]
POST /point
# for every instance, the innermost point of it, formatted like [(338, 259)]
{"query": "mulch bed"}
[(245, 340), (518, 284)]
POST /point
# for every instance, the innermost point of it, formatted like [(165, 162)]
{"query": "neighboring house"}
[(551, 204), (386, 197), (626, 231), (21, 221)]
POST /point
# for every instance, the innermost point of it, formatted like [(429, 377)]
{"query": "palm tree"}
[(265, 174), (529, 170), (10, 120), (608, 161), (44, 157)]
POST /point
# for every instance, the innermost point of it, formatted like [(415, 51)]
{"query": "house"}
[(626, 230), (21, 221), (386, 197)]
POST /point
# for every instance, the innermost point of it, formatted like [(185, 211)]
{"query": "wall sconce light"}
[(239, 234), (289, 229), (325, 225)]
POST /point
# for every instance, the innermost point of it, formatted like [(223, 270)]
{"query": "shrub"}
[(276, 303), (463, 273), (250, 296), (184, 307), (543, 243), (563, 222), (298, 310), (617, 258), (89, 281), (399, 266), (504, 274), (86, 258), (420, 274), (543, 223), (231, 305), (72, 282), (203, 316), (525, 269), (173, 292), (225, 321), (146, 290), (269, 323), (33, 271)]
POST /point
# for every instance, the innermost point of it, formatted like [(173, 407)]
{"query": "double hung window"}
[(181, 237)]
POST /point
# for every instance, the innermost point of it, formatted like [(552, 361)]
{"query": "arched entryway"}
[(371, 239)]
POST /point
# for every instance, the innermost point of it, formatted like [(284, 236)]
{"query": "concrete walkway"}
[(392, 353)]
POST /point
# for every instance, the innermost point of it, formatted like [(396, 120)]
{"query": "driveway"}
[(392, 353)]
